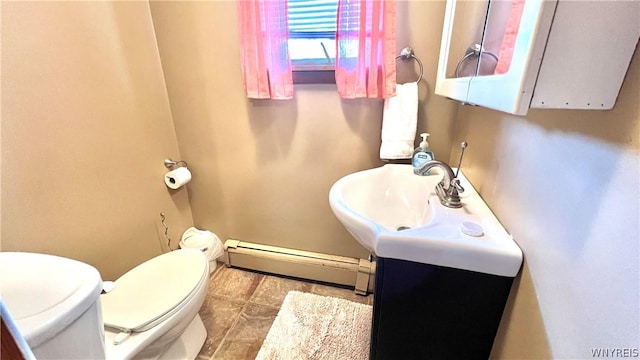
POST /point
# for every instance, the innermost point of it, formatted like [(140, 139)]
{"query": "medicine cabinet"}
[(520, 54)]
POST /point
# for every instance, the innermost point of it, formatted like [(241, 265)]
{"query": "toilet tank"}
[(55, 304)]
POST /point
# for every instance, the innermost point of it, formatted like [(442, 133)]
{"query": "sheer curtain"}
[(266, 66), (365, 49)]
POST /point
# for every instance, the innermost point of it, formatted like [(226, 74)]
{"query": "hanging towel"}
[(399, 120)]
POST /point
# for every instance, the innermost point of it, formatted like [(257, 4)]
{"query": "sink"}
[(397, 214)]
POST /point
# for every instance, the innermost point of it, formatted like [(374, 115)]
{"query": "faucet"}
[(449, 188)]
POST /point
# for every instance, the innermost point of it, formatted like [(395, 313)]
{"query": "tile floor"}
[(241, 305)]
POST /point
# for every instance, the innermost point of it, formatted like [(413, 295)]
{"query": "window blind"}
[(309, 19)]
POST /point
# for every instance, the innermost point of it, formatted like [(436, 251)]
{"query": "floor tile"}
[(218, 315), (238, 350), (235, 284), (244, 339), (273, 289)]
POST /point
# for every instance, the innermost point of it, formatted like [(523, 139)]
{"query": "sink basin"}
[(396, 214)]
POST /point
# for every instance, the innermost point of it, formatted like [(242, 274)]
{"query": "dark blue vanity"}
[(424, 311)]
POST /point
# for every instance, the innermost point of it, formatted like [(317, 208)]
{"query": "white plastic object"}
[(205, 241), (471, 229)]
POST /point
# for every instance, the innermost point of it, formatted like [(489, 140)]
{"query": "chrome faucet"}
[(449, 188)]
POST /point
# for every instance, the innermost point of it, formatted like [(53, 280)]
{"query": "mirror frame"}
[(453, 88)]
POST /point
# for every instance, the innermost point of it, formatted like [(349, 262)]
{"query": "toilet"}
[(151, 312)]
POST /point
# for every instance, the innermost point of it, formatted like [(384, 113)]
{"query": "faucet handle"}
[(451, 196), (455, 184)]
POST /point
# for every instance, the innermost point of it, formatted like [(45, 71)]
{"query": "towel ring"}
[(406, 55), (473, 50)]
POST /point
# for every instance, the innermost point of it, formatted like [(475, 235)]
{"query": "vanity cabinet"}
[(424, 311), (515, 55)]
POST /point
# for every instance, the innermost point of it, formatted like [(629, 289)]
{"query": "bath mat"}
[(310, 326)]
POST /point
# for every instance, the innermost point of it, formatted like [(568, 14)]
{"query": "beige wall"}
[(86, 122), (86, 125), (263, 169), (566, 185)]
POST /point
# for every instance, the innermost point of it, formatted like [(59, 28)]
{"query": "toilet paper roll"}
[(177, 177)]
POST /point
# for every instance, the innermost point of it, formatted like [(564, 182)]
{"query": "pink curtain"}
[(266, 65), (365, 49), (510, 36)]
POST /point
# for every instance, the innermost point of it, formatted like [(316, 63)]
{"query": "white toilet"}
[(151, 313)]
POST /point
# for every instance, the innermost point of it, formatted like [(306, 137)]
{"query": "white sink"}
[(396, 214)]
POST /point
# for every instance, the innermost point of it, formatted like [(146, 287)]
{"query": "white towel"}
[(399, 121)]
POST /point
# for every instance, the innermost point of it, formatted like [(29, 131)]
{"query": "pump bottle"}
[(421, 154)]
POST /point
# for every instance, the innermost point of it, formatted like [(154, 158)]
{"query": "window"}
[(363, 38), (312, 37)]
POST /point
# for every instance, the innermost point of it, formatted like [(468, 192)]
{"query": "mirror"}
[(480, 36), (467, 29), (500, 32)]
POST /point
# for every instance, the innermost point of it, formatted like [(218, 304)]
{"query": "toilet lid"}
[(152, 289)]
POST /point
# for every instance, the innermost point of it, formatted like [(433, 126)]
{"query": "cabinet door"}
[(463, 25), (587, 55)]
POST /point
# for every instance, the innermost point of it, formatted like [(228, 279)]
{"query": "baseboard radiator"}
[(342, 270)]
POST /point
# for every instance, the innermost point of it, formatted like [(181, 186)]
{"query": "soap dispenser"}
[(421, 154)]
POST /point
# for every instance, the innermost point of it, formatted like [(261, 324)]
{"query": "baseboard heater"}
[(301, 264)]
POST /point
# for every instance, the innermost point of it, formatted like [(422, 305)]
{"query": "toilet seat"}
[(154, 290)]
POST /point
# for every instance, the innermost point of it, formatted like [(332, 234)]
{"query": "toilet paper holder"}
[(170, 164)]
